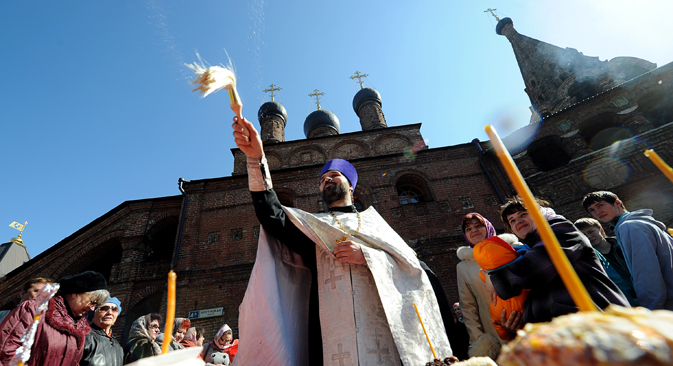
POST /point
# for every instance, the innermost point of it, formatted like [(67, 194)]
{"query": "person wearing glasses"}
[(100, 348), (60, 336), (142, 338)]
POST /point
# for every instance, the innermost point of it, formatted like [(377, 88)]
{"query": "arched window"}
[(548, 154), (602, 130), (412, 189), (410, 194), (161, 239)]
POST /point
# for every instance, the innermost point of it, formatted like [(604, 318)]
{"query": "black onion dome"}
[(502, 23), (272, 109), (320, 118), (365, 94)]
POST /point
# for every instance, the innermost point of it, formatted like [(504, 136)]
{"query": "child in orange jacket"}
[(495, 253)]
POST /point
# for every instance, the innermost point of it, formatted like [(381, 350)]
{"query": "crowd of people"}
[(504, 281), (634, 268), (77, 328)]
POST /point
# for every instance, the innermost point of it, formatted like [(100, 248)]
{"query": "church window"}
[(412, 189), (161, 239), (548, 154), (214, 237), (602, 131), (657, 107), (236, 234), (410, 194), (583, 89)]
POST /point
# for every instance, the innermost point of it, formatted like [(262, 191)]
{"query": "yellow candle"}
[(660, 163), (575, 287), (426, 332), (170, 313)]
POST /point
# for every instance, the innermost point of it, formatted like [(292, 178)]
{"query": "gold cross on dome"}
[(492, 11), (317, 97), (359, 77), (271, 89)]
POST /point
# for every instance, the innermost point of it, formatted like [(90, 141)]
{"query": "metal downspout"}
[(182, 221)]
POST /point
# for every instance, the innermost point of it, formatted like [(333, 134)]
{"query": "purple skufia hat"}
[(490, 230), (344, 167)]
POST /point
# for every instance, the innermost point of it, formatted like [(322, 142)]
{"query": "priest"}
[(335, 288)]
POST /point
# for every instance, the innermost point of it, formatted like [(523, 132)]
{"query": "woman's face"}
[(154, 329), (226, 338), (180, 334), (521, 223), (79, 304), (199, 342), (475, 231)]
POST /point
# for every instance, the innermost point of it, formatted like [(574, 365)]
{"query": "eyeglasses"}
[(154, 326), (104, 309)]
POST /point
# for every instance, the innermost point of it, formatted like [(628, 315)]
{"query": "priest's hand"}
[(349, 252), (247, 138)]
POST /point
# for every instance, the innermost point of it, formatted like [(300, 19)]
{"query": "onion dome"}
[(321, 118), (363, 95), (501, 24), (272, 109)]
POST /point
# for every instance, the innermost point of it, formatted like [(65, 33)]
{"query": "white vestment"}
[(367, 313)]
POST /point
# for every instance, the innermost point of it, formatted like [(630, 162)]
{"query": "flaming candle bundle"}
[(211, 79), (22, 354)]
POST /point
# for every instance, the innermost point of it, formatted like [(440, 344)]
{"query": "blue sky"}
[(96, 107)]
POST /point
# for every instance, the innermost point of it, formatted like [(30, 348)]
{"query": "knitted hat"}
[(113, 300), (82, 282), (343, 167)]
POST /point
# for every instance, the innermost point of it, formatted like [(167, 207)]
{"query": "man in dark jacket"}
[(100, 348)]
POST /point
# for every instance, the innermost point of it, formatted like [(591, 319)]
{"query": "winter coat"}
[(494, 253), (59, 340), (215, 352), (474, 303), (535, 271), (648, 250), (140, 343), (101, 350)]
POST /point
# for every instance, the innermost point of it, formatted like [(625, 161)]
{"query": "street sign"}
[(206, 313)]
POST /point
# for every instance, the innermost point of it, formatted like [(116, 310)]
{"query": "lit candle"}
[(660, 163), (572, 282), (170, 313), (426, 332)]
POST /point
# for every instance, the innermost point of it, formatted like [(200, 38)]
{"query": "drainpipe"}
[(488, 174), (182, 221)]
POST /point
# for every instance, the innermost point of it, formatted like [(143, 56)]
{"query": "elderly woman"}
[(142, 338), (180, 327), (474, 296), (193, 337), (548, 297), (60, 335)]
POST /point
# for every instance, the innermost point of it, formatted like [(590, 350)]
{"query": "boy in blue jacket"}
[(647, 247)]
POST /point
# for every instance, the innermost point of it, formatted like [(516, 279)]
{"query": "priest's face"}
[(334, 187)]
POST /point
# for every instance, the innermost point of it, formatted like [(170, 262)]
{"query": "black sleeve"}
[(274, 220)]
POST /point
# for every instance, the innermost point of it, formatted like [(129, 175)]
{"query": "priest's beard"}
[(334, 193)]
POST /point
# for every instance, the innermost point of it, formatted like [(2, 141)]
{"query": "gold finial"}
[(271, 89), (317, 97), (492, 11), (19, 227), (359, 77)]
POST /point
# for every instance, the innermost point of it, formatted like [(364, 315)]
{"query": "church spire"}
[(554, 77)]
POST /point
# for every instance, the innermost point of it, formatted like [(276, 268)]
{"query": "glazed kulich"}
[(618, 336)]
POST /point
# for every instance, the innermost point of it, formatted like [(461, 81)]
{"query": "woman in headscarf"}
[(193, 337), (474, 296), (180, 326), (222, 350), (142, 338), (61, 334)]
